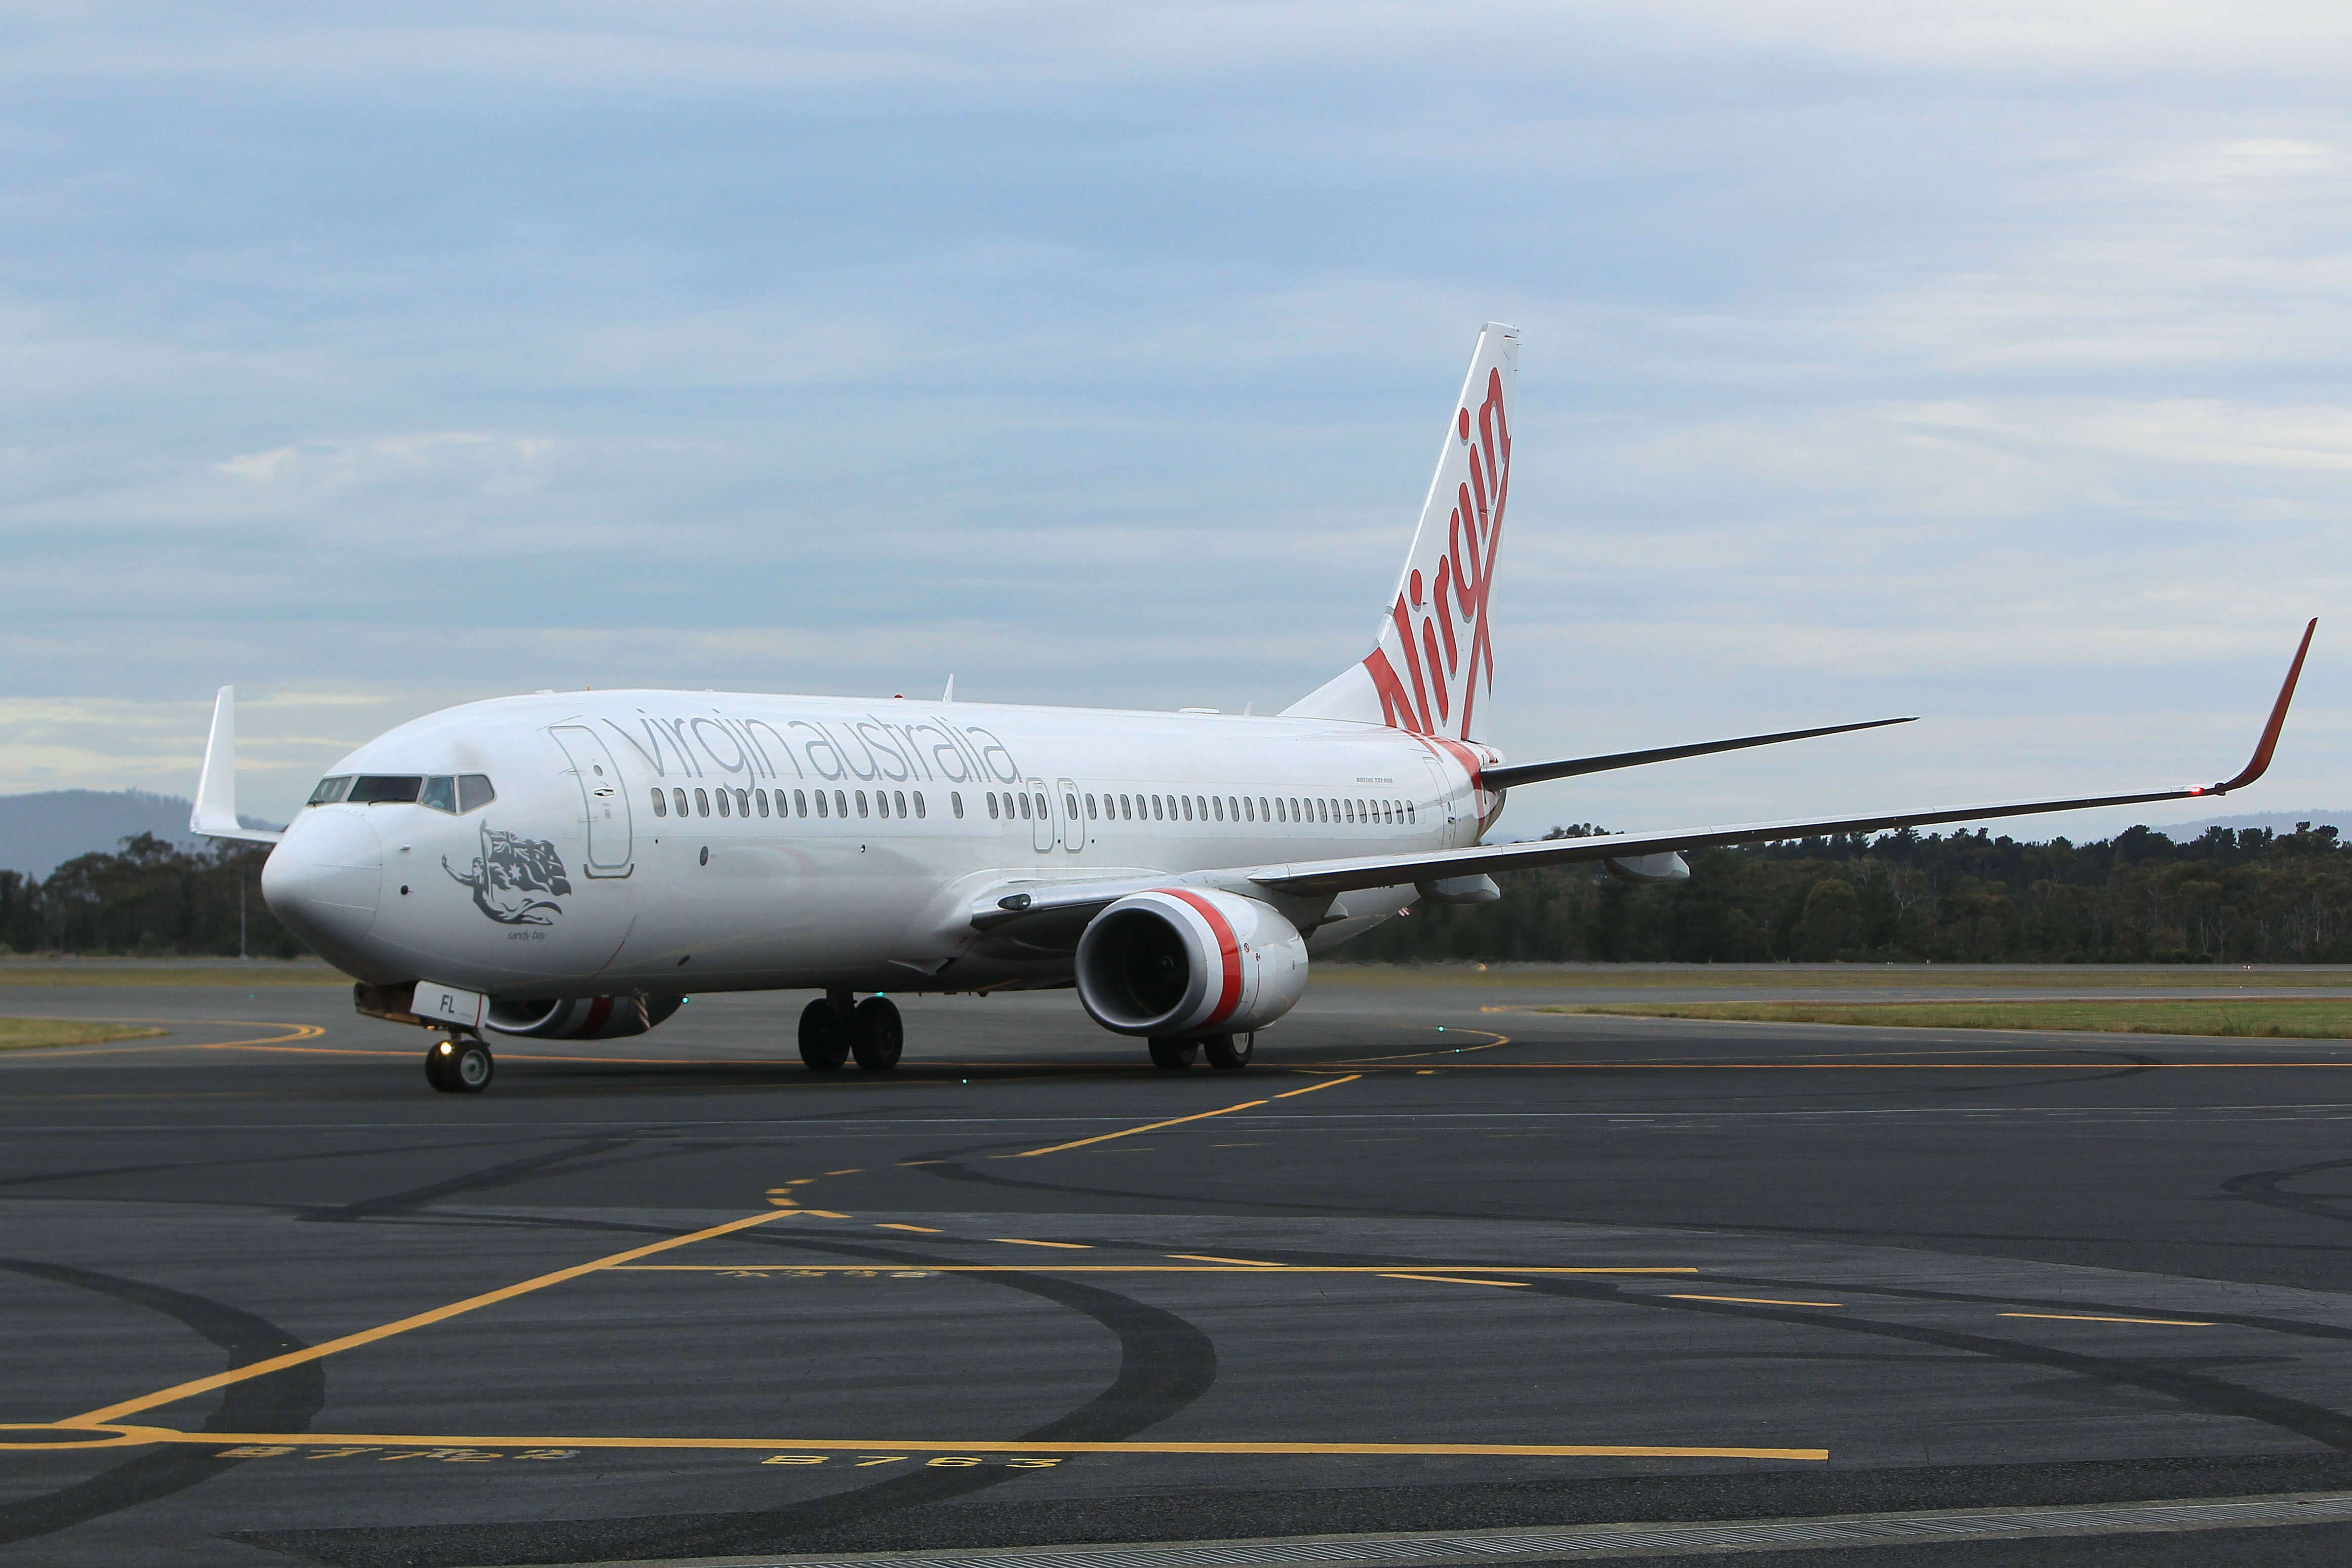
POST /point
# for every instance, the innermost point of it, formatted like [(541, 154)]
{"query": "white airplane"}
[(570, 864)]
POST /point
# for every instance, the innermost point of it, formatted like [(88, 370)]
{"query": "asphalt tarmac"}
[(1436, 1262)]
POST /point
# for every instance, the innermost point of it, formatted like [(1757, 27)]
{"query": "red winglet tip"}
[(2260, 763)]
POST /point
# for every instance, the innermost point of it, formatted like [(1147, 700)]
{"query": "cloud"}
[(1984, 361)]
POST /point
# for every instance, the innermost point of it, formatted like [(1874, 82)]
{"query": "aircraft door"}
[(1074, 821), (1442, 796), (602, 799), (1042, 829)]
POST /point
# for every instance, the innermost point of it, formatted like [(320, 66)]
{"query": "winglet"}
[(214, 815), (2260, 762)]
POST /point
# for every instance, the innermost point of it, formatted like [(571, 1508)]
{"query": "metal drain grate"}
[(1605, 1541)]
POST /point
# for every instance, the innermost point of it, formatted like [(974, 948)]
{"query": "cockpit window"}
[(386, 789), (330, 790), (440, 793), (474, 792)]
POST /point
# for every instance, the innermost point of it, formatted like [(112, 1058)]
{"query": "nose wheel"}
[(460, 1064)]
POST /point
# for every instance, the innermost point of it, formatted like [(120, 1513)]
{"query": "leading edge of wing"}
[(1381, 870)]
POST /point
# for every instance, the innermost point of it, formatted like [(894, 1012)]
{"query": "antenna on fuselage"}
[(948, 695)]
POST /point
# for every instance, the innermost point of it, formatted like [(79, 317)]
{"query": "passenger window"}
[(820, 803), (440, 793), (330, 790), (920, 812), (840, 805), (1126, 809), (800, 803), (1233, 809), (1410, 818), (723, 810), (474, 792), (1201, 802), (1219, 806), (861, 803), (680, 796), (898, 800), (661, 802), (1322, 810), (991, 805), (955, 801), (882, 804), (1090, 805), (702, 803), (1248, 813), (760, 797), (742, 802)]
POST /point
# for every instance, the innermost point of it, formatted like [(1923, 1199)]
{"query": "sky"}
[(1990, 363)]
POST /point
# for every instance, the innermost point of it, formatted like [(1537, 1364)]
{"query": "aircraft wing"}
[(1383, 871), (1051, 913)]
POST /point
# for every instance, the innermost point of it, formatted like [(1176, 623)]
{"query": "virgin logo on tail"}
[(1434, 657)]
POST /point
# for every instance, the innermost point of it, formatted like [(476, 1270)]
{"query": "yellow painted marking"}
[(782, 1203), (1206, 1258), (1387, 1269), (1327, 1084), (920, 1230), (180, 1391), (825, 1213), (1445, 1280), (135, 1435), (1153, 1127), (2089, 1318), (842, 1173), (905, 1163), (797, 1181), (1019, 1242), (1751, 1300)]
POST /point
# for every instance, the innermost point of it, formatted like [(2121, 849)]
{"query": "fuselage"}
[(673, 841)]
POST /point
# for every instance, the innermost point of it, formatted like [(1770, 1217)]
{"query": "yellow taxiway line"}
[(1042, 1267), (129, 1435), (179, 1391)]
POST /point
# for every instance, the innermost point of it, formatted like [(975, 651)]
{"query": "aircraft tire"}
[(823, 1048), (459, 1065), (1229, 1053), (1174, 1055), (876, 1036)]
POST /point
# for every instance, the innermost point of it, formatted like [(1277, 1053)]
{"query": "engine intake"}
[(1180, 961), (580, 1018)]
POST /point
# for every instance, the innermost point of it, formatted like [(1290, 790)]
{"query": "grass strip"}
[(2259, 1018), (37, 1034)]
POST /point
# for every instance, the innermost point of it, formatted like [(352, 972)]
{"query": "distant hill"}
[(40, 832), (2276, 822)]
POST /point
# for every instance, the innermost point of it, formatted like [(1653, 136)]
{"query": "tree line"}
[(151, 897), (2243, 896), (2249, 896)]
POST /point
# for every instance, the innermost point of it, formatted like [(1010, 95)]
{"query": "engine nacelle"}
[(580, 1018), (1185, 961)]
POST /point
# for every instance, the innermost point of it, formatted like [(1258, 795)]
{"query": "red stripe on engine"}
[(1230, 949)]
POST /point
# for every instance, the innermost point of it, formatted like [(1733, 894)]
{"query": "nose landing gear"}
[(460, 1064)]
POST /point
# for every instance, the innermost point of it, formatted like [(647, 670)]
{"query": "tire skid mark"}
[(284, 1401)]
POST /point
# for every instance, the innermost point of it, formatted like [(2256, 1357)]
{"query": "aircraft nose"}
[(324, 878)]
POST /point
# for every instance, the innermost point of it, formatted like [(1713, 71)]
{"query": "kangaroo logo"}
[(506, 875)]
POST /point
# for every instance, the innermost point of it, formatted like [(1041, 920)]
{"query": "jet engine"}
[(580, 1018), (1184, 961)]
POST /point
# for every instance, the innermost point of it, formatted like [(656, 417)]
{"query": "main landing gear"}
[(1227, 1052), (834, 1029), (460, 1064)]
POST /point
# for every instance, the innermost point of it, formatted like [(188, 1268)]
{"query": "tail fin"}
[(1431, 662)]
